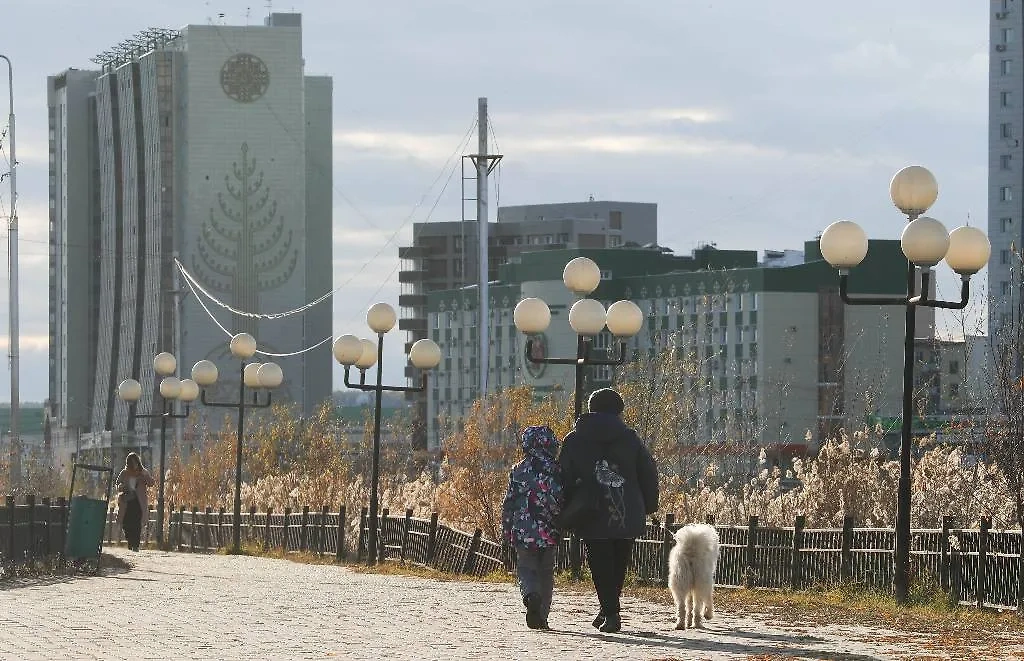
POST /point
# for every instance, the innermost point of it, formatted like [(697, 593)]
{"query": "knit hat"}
[(605, 400)]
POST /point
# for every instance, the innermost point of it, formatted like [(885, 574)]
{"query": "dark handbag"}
[(581, 506)]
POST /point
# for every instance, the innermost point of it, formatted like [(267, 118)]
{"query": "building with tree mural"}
[(208, 146)]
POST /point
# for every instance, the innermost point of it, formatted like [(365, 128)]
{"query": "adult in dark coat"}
[(602, 449)]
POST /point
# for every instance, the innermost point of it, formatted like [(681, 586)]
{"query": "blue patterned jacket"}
[(534, 496)]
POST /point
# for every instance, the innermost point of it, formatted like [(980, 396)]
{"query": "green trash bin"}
[(87, 519)]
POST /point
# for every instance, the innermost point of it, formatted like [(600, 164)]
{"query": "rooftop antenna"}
[(247, 12)]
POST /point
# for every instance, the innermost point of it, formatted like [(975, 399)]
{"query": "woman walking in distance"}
[(604, 458), (131, 498)]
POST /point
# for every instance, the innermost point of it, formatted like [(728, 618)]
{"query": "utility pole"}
[(12, 251), (484, 163)]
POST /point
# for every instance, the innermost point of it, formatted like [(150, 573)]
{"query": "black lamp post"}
[(587, 318), (349, 350), (252, 376), (171, 389), (925, 243)]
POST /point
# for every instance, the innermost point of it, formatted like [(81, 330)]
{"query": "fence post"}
[(266, 529), (666, 546), (220, 527), (944, 553), (431, 538), (284, 529), (339, 553), (750, 578), (304, 529), (361, 540), (955, 589), (207, 534), (381, 546), (321, 534), (405, 533), (47, 509), (9, 501), (846, 553), (192, 527), (575, 556), (30, 502), (474, 547), (181, 525), (981, 582), (62, 505), (252, 524), (795, 559)]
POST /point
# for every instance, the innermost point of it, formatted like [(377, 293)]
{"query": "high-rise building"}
[(209, 145), (444, 254), (1005, 158)]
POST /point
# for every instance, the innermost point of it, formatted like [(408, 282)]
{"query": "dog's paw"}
[(709, 615), (680, 624)]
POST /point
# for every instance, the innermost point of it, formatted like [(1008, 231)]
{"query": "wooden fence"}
[(977, 566)]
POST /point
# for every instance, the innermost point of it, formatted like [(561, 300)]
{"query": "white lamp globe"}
[(250, 375), (165, 363), (368, 357), (625, 318), (270, 375), (204, 373), (587, 316), (170, 387), (913, 190), (844, 244), (425, 354), (581, 276), (242, 346), (924, 241), (189, 391), (969, 250), (129, 390), (532, 315), (347, 349), (381, 317)]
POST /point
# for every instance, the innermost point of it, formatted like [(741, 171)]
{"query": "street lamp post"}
[(171, 389), (925, 243), (587, 318), (349, 350), (253, 375)]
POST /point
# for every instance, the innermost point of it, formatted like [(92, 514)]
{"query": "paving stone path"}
[(183, 606)]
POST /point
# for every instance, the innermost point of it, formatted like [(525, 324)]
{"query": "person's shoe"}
[(534, 619), (612, 624), (599, 620)]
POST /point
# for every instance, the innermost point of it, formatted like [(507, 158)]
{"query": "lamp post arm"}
[(373, 388), (612, 361), (206, 402), (965, 297), (853, 299), (548, 361)]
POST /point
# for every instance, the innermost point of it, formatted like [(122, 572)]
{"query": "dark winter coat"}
[(534, 496), (602, 447)]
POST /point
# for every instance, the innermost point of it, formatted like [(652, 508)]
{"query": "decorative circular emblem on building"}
[(538, 350), (244, 77)]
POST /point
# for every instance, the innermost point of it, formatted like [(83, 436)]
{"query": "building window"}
[(1006, 224), (606, 274), (1006, 130), (1005, 99), (954, 367), (1008, 35), (1004, 162), (1005, 194), (614, 241), (1006, 67), (1004, 256), (615, 220), (954, 390), (1004, 287)]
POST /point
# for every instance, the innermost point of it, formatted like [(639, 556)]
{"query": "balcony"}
[(413, 324), (412, 276), (412, 300), (411, 252)]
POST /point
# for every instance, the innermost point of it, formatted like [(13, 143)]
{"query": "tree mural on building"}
[(245, 247)]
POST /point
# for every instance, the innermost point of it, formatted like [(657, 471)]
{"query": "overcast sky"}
[(750, 124)]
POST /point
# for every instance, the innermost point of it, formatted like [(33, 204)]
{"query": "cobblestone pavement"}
[(173, 606)]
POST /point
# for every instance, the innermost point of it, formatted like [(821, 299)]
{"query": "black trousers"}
[(132, 523), (608, 560)]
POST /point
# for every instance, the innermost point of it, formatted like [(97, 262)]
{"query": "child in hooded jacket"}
[(532, 502)]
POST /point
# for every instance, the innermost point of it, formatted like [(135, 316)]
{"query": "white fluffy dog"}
[(691, 574)]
